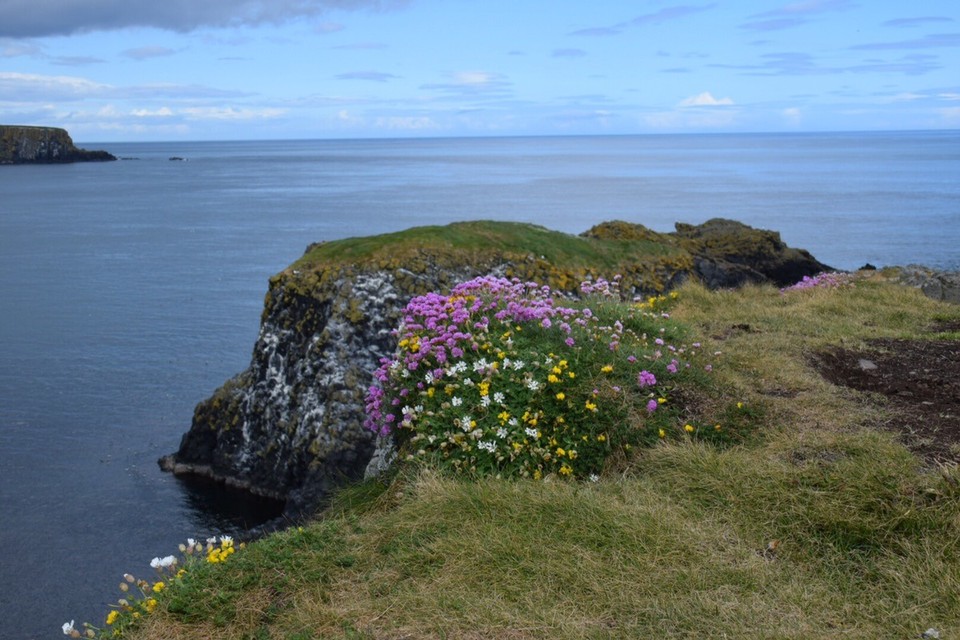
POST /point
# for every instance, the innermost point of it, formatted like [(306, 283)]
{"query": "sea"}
[(130, 290)]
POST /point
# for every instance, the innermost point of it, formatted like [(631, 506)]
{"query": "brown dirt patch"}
[(921, 379)]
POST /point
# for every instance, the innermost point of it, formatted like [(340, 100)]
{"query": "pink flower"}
[(646, 379)]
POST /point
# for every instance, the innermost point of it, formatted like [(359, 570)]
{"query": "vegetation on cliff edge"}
[(821, 524)]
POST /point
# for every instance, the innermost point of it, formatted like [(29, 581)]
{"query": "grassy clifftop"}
[(817, 525)]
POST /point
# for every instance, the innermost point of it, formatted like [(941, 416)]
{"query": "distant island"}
[(43, 145)]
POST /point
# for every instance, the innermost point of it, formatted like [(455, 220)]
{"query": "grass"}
[(485, 236), (820, 526)]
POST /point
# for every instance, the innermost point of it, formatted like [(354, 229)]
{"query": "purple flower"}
[(646, 379), (570, 342), (652, 406), (673, 366)]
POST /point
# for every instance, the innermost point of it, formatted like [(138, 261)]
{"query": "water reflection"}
[(214, 506)]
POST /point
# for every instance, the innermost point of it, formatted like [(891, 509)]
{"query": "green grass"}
[(485, 236), (673, 542)]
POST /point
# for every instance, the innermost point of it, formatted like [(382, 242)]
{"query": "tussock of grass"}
[(817, 527)]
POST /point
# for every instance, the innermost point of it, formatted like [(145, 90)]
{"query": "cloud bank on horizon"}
[(255, 69)]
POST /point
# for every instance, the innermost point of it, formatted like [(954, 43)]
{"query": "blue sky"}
[(131, 70)]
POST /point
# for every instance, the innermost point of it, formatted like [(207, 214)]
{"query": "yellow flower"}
[(606, 368), (716, 427), (662, 433), (566, 470), (590, 406), (430, 392), (561, 395), (552, 378), (571, 375), (561, 452), (112, 616), (158, 587), (661, 400), (739, 405), (688, 428), (150, 604), (601, 438), (557, 370), (572, 454), (537, 475)]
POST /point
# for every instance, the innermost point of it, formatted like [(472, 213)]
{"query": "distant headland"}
[(43, 145)]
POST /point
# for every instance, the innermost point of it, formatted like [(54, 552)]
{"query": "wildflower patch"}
[(503, 377)]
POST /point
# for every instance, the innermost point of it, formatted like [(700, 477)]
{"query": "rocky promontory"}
[(290, 425), (43, 145)]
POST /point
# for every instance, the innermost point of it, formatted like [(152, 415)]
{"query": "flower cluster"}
[(508, 378), (824, 280), (141, 596)]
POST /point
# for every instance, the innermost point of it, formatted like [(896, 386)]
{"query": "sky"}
[(151, 70)]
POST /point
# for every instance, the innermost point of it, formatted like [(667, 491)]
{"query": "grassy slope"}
[(672, 545)]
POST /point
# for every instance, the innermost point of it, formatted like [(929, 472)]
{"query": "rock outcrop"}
[(43, 145), (290, 426), (939, 285)]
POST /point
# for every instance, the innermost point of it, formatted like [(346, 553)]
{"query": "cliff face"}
[(42, 145), (290, 426)]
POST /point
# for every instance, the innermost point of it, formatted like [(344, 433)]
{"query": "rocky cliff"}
[(42, 145), (290, 426)]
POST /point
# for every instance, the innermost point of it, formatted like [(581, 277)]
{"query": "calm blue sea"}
[(130, 290)]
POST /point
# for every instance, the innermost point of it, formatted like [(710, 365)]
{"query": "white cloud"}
[(792, 115), (705, 99), (162, 112), (232, 113), (27, 87)]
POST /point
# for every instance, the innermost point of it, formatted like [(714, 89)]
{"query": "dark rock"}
[(43, 145), (730, 254)]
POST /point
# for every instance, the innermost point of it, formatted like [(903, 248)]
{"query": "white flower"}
[(498, 397), (485, 401), (594, 477), (163, 563), (487, 445), (456, 401), (465, 423), (507, 362), (501, 433), (512, 422), (429, 377), (530, 431), (517, 365), (407, 409), (226, 539), (67, 628), (532, 384), (191, 542)]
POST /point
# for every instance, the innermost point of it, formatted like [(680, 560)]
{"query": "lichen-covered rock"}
[(731, 254), (935, 284), (290, 426), (42, 145)]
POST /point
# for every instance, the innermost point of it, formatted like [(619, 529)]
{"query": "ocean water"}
[(130, 290)]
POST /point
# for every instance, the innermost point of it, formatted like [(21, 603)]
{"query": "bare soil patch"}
[(921, 379)]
